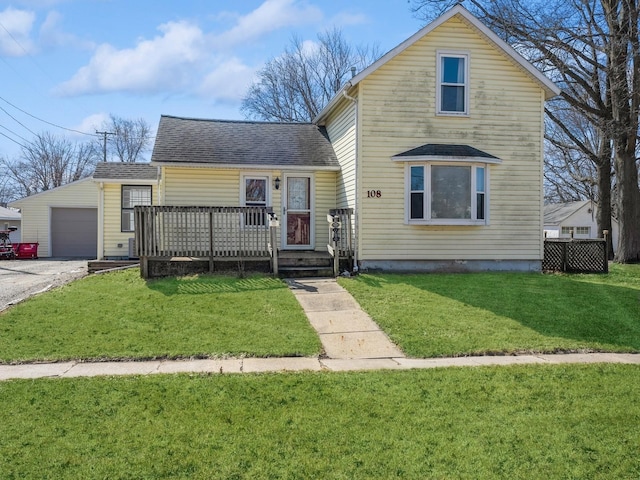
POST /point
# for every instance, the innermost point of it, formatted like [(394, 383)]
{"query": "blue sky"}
[(74, 62)]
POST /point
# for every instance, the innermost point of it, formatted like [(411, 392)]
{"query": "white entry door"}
[(297, 212)]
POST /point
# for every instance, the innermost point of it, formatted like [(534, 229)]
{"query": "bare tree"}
[(128, 139), (49, 162), (298, 84), (591, 49)]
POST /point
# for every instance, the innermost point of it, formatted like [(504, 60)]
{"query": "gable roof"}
[(446, 152), (9, 214), (118, 171), (242, 144), (550, 88), (29, 198), (556, 213)]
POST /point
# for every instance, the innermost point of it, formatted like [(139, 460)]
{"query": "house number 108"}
[(374, 193)]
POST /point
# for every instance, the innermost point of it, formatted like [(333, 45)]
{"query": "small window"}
[(566, 231), (255, 195), (585, 231), (453, 84), (447, 194), (132, 196)]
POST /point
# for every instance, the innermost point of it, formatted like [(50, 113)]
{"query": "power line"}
[(18, 121), (14, 133), (45, 121), (14, 141)]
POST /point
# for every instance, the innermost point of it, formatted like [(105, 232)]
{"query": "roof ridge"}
[(215, 120)]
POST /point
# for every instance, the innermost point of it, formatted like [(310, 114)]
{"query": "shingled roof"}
[(125, 171), (445, 151), (242, 143)]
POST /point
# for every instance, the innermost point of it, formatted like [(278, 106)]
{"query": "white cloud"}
[(15, 31), (228, 82), (271, 15), (91, 123), (151, 66), (52, 35), (345, 19)]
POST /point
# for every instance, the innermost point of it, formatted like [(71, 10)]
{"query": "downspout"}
[(356, 210), (101, 221)]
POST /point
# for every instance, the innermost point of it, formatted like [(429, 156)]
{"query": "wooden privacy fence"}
[(217, 233), (576, 256), (340, 245)]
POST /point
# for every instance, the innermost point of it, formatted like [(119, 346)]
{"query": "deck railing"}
[(218, 233), (340, 237)]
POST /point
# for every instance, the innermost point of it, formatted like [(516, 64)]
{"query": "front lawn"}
[(431, 315), (519, 422), (120, 316)]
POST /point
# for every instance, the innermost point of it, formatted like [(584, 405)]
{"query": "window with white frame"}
[(132, 196), (566, 231), (452, 93), (585, 231), (254, 194), (447, 194)]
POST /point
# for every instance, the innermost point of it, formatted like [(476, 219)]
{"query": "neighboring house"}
[(10, 218), (63, 220), (574, 220), (437, 148)]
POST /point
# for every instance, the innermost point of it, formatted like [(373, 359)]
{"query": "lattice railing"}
[(576, 256)]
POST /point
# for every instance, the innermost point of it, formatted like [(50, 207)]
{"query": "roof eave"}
[(235, 166), (446, 158)]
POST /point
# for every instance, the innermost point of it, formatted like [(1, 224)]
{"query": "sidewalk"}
[(350, 338)]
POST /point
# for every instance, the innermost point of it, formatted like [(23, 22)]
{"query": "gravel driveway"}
[(19, 279)]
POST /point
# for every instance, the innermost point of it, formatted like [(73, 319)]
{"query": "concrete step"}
[(305, 271)]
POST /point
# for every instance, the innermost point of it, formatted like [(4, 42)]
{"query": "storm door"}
[(298, 215)]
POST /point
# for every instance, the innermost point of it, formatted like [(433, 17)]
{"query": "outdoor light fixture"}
[(276, 183)]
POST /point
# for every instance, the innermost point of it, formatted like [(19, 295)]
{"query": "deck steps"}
[(302, 264)]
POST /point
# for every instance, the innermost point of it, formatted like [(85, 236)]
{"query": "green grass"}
[(519, 422), (459, 314), (119, 315)]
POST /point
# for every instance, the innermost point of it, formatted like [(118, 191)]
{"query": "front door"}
[(297, 212)]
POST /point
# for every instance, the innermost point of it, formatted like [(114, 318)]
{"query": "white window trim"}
[(427, 195), (456, 54), (130, 209), (243, 191), (258, 176)]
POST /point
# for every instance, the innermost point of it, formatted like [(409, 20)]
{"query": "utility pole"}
[(104, 134)]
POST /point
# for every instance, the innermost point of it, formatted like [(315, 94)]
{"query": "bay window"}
[(447, 193)]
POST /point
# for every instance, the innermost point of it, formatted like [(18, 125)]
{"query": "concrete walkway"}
[(350, 338)]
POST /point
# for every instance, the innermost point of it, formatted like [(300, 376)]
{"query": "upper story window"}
[(452, 94), (133, 195)]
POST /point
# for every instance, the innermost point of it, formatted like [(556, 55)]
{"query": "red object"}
[(26, 250)]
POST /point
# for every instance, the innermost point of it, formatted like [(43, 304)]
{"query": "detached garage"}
[(74, 232), (64, 220)]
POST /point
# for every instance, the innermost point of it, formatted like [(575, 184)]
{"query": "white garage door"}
[(74, 232)]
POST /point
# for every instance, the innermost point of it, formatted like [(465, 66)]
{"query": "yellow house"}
[(440, 144), (437, 149), (429, 159)]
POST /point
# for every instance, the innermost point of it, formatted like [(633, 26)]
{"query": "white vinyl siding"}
[(36, 210), (397, 110)]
